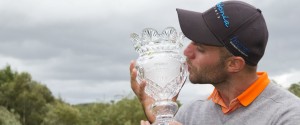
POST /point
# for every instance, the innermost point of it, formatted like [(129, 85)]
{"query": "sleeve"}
[(292, 120), (289, 116)]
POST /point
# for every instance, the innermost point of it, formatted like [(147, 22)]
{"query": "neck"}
[(235, 85)]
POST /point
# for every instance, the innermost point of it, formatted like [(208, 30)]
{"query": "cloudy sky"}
[(81, 49)]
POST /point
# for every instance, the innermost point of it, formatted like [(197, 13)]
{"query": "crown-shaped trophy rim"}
[(150, 38)]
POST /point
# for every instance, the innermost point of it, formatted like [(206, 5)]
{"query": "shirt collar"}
[(253, 91)]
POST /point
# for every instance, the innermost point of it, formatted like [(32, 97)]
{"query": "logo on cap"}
[(235, 42), (220, 10)]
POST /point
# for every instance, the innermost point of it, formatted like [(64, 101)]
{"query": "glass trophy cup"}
[(163, 68)]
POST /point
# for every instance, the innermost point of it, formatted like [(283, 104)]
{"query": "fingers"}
[(138, 89), (175, 97), (174, 123), (141, 91), (133, 73), (142, 86), (132, 64), (132, 70), (134, 85), (144, 122)]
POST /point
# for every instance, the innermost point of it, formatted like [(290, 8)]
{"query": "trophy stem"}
[(164, 111)]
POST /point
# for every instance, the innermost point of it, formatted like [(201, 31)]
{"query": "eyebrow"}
[(199, 44)]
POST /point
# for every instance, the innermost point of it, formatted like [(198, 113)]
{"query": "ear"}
[(235, 64)]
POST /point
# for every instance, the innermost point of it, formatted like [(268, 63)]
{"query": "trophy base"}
[(164, 111)]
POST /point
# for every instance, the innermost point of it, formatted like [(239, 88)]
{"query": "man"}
[(228, 40)]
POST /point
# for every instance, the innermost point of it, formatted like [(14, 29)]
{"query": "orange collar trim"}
[(255, 89)]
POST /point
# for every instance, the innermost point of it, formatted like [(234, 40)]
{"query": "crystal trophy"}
[(163, 68)]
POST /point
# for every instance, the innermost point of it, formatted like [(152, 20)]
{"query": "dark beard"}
[(212, 74)]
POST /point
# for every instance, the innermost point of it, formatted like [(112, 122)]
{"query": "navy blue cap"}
[(236, 25)]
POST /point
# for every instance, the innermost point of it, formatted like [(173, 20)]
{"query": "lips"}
[(189, 65), (189, 68)]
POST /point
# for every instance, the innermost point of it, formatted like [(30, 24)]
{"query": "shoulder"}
[(285, 104), (199, 101), (279, 95), (193, 107)]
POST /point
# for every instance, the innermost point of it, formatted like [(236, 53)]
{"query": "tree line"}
[(24, 101)]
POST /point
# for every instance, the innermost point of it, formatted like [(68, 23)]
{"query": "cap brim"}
[(194, 27)]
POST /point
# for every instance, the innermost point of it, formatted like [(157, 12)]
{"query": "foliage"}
[(127, 111), (26, 97), (33, 104), (6, 75), (92, 113), (295, 88), (62, 114), (8, 118)]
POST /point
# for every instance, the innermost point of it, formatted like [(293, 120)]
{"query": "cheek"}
[(203, 60)]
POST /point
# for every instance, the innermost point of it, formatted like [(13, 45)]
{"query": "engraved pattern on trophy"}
[(163, 67)]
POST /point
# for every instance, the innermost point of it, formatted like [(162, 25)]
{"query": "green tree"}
[(295, 88), (6, 75), (62, 114), (27, 97), (8, 118), (93, 113), (127, 111)]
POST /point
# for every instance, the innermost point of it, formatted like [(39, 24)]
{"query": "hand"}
[(175, 123), (171, 123), (145, 122), (138, 89)]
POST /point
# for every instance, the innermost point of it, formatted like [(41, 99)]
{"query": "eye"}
[(200, 48)]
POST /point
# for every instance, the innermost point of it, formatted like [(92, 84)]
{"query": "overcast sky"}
[(81, 49)]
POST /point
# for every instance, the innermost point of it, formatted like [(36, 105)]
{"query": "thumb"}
[(174, 123), (143, 85)]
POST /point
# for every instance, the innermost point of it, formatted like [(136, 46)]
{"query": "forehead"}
[(208, 46)]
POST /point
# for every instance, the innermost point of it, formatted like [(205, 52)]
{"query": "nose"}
[(189, 51)]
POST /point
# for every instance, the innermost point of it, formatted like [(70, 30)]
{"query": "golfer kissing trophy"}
[(163, 68)]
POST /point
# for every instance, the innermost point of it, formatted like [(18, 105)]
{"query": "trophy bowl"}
[(163, 67)]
